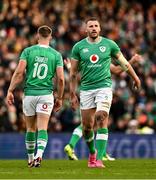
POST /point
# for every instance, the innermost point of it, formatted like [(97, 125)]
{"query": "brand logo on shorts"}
[(106, 97), (94, 58), (102, 48), (44, 106)]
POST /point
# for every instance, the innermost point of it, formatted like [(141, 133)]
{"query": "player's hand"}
[(57, 104), (67, 63), (136, 85), (10, 98), (74, 102), (137, 58)]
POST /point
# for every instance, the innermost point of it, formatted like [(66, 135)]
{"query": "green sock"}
[(42, 139), (30, 142), (101, 142), (77, 134), (89, 138)]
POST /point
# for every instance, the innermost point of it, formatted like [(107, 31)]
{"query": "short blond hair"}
[(92, 19), (44, 31)]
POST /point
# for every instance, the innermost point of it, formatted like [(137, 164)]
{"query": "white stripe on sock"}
[(30, 146), (78, 132), (102, 137), (41, 142)]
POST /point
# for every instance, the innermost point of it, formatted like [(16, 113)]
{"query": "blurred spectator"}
[(131, 24), (6, 122), (133, 127)]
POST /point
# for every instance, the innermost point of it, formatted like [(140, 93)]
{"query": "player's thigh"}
[(88, 118), (103, 100), (43, 109), (45, 104), (87, 100), (29, 105), (42, 121)]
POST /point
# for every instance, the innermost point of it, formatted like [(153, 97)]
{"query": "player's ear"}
[(37, 36), (99, 28), (49, 38), (86, 28)]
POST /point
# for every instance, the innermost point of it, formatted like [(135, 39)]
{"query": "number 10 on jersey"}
[(40, 71)]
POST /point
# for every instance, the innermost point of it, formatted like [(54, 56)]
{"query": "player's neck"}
[(92, 40), (43, 42)]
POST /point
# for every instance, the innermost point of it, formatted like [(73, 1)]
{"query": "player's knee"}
[(31, 129), (87, 130), (101, 116), (103, 107)]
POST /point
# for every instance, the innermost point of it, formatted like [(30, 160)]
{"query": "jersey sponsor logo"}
[(85, 50), (94, 58), (102, 48)]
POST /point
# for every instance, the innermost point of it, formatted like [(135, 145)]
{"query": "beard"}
[(93, 35)]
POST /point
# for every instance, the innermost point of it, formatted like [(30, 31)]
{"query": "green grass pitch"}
[(65, 169)]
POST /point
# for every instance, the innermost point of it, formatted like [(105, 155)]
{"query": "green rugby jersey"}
[(94, 62), (42, 62)]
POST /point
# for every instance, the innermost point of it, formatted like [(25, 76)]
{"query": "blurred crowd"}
[(131, 24)]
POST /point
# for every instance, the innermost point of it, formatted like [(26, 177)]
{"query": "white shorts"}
[(38, 104), (101, 99)]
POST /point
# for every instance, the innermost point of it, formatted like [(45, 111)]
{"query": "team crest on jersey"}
[(102, 48), (85, 50), (94, 58)]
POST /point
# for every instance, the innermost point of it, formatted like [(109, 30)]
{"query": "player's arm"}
[(73, 77), (60, 88), (73, 82), (117, 69), (17, 78), (60, 82), (126, 66), (67, 63)]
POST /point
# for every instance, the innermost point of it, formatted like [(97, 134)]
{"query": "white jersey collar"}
[(42, 45), (100, 39)]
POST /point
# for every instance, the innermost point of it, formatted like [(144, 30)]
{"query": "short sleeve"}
[(75, 53), (24, 55), (59, 60), (114, 48)]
